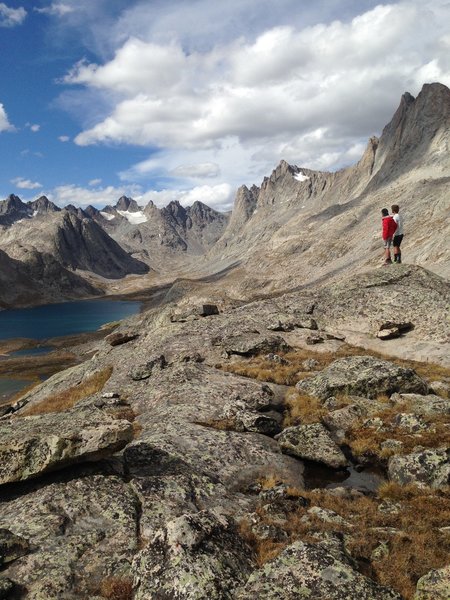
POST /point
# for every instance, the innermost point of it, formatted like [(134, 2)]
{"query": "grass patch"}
[(68, 398), (116, 588), (412, 538), (366, 441), (302, 409), (266, 370)]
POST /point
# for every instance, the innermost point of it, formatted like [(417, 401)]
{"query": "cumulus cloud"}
[(25, 184), (5, 125), (80, 196), (311, 95), (63, 138), (219, 197), (35, 128), (10, 17), (56, 9), (200, 170)]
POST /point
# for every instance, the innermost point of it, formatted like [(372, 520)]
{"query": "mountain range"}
[(299, 226)]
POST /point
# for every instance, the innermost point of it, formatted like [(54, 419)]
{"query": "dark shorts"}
[(397, 240)]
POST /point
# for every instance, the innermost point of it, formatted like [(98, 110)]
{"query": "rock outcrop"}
[(311, 571), (363, 376), (31, 446)]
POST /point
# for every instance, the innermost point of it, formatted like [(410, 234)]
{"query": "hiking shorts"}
[(397, 241), (387, 242)]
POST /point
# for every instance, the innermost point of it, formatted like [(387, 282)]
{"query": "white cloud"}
[(5, 125), (10, 17), (200, 170), (311, 95), (219, 197), (35, 128), (56, 9), (79, 196), (95, 182), (63, 138), (25, 184)]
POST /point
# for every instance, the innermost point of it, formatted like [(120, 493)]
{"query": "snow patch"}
[(107, 216), (301, 177), (133, 217)]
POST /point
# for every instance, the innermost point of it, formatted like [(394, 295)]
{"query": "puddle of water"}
[(320, 476)]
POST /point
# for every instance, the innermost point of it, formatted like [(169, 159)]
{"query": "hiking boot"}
[(387, 262)]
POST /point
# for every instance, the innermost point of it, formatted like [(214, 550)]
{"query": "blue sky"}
[(188, 99)]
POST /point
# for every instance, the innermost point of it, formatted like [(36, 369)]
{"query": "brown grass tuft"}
[(219, 424), (264, 549), (116, 588), (413, 538), (302, 409), (68, 398)]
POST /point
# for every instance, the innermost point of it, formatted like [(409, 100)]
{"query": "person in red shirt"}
[(388, 227)]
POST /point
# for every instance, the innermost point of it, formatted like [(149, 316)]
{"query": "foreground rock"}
[(11, 546), (311, 571), (30, 446), (82, 531), (435, 585), (195, 556), (363, 376), (423, 468), (312, 442)]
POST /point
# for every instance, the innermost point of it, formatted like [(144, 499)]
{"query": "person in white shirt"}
[(398, 233)]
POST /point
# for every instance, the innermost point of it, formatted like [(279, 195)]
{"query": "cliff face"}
[(39, 278), (302, 226), (297, 227)]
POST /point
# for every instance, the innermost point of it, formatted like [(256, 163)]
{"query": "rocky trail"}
[(175, 461)]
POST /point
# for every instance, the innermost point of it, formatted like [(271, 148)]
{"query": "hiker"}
[(388, 229), (398, 233)]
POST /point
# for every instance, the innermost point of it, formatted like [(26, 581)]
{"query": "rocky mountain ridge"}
[(299, 227), (303, 226), (186, 473)]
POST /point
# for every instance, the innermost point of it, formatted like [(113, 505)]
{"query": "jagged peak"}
[(12, 199), (43, 203), (127, 204)]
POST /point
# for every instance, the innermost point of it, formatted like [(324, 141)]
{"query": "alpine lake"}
[(35, 342)]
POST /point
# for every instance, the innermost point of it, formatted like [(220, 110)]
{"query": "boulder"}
[(11, 546), (363, 376), (311, 442), (289, 323), (250, 420), (118, 338), (391, 330), (145, 370), (424, 467), (254, 344), (6, 588), (30, 446), (82, 531), (311, 571), (435, 585), (410, 422), (195, 556), (341, 420), (423, 405)]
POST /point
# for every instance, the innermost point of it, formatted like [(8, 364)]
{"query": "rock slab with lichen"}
[(31, 446)]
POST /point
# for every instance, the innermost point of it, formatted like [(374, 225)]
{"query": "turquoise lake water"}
[(55, 320), (66, 318)]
